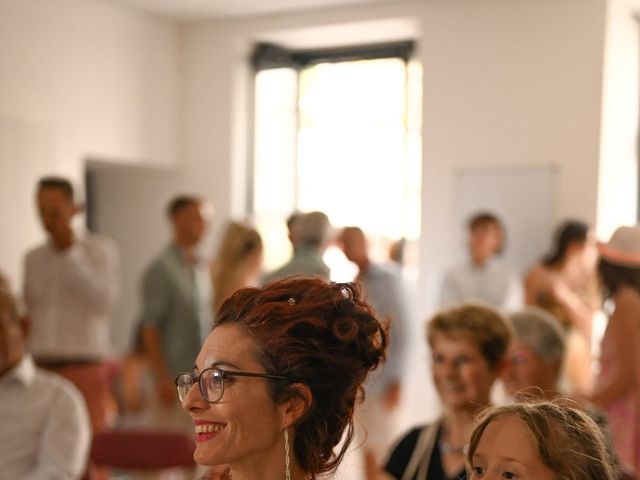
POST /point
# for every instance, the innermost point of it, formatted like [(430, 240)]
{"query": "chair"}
[(142, 450)]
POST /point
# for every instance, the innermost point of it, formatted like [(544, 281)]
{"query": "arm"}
[(623, 330), (397, 342), (92, 267), (372, 470), (449, 294), (580, 314), (66, 439), (152, 345), (27, 286), (532, 287), (154, 296)]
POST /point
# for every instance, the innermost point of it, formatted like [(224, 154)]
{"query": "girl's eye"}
[(477, 472), (509, 475)]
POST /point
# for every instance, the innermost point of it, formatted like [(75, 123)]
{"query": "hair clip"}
[(292, 301)]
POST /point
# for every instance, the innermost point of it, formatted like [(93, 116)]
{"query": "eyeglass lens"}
[(211, 384)]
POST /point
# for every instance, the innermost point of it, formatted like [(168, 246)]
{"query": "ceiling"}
[(198, 9)]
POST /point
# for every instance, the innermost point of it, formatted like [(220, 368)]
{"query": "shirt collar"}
[(191, 261), (24, 372), (77, 238)]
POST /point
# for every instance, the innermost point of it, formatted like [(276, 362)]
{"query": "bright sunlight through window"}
[(343, 138)]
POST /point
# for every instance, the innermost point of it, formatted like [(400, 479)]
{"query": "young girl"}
[(541, 441)]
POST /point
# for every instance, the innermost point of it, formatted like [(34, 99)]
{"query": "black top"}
[(402, 454)]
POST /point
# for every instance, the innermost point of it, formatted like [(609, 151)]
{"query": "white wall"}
[(78, 79), (509, 83), (505, 83), (618, 182)]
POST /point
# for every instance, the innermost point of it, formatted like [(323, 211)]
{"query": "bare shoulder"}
[(627, 302), (538, 278)]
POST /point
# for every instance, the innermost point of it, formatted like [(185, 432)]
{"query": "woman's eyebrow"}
[(219, 363)]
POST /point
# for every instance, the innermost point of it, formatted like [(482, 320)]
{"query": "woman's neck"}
[(458, 423), (266, 471)]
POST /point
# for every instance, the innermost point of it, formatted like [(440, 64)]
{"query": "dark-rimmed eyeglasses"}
[(211, 382)]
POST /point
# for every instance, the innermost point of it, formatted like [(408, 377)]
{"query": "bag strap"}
[(422, 451)]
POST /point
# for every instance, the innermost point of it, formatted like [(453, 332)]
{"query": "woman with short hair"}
[(468, 345)]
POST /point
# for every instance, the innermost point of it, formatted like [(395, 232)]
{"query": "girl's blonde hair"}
[(566, 438)]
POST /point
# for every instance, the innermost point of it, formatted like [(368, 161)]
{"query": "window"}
[(340, 133)]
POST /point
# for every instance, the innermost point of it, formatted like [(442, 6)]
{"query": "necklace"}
[(447, 448)]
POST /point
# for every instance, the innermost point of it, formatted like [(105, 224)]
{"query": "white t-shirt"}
[(493, 283)]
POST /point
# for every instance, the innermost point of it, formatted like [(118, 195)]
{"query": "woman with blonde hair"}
[(238, 262)]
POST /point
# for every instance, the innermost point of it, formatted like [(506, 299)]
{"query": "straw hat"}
[(624, 247)]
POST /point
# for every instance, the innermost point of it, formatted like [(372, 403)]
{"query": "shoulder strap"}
[(422, 452)]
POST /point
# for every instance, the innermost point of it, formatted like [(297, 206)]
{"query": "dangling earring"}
[(287, 471)]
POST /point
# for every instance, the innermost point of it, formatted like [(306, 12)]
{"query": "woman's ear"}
[(297, 404)]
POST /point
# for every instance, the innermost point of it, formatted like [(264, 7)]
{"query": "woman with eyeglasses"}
[(468, 345), (274, 386)]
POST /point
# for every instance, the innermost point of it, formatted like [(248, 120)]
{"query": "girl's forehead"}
[(511, 433)]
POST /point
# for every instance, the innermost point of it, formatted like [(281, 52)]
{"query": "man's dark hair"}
[(484, 218), (60, 183), (294, 218), (181, 201)]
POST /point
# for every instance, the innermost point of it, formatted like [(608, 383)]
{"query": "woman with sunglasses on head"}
[(274, 386)]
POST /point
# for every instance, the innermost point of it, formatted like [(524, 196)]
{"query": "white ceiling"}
[(197, 9)]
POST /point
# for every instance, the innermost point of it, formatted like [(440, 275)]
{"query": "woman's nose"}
[(193, 399), (451, 369)]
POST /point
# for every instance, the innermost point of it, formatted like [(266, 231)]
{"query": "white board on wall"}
[(524, 198)]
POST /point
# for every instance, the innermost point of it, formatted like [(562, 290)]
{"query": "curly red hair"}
[(323, 335)]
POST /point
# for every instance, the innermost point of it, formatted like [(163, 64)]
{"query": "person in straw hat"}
[(617, 388)]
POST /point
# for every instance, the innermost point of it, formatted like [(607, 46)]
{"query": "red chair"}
[(142, 450)]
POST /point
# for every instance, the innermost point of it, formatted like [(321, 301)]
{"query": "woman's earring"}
[(287, 471)]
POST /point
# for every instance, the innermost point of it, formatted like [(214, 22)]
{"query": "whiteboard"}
[(524, 198)]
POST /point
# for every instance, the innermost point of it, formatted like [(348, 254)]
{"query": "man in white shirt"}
[(483, 278), (71, 286), (45, 433)]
